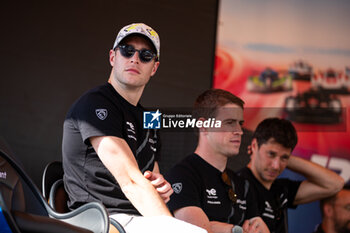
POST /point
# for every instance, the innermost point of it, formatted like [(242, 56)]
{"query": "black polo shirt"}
[(197, 183), (103, 112), (319, 229), (273, 203)]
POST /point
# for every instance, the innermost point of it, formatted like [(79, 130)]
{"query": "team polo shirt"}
[(319, 229), (103, 112), (197, 183), (273, 203)]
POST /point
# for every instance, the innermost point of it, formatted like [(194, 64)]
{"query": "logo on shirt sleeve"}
[(101, 113), (177, 187)]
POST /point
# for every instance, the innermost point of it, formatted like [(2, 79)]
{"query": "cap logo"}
[(101, 113)]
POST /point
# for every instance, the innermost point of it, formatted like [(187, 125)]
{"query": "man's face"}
[(341, 212), (226, 140), (269, 160), (131, 72)]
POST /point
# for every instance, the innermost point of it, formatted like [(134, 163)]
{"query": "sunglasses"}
[(231, 193), (145, 55)]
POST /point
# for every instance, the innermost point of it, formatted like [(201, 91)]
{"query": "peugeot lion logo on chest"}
[(101, 113)]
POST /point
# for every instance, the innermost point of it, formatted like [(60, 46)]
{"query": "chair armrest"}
[(40, 224), (92, 216), (117, 225)]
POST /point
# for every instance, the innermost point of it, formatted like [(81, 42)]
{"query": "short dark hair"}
[(280, 130), (207, 103), (331, 199)]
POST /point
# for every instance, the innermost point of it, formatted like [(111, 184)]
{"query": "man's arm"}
[(196, 216), (116, 155), (320, 182)]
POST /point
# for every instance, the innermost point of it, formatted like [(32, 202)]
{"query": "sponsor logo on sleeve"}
[(101, 113), (177, 187)]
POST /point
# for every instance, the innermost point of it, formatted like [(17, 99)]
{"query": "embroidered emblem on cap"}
[(177, 187), (101, 113)]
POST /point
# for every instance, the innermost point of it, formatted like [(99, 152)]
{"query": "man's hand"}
[(255, 225), (160, 184)]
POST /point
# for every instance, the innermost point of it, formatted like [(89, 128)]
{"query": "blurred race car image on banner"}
[(291, 59), (269, 81)]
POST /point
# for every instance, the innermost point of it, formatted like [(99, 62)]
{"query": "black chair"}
[(53, 171), (53, 187), (53, 190), (25, 209)]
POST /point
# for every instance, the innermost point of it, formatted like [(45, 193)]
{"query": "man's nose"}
[(238, 129), (276, 163), (135, 57)]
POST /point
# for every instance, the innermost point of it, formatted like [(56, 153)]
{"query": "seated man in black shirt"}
[(205, 192), (273, 142), (336, 213), (108, 156)]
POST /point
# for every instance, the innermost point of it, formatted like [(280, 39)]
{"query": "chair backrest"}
[(18, 191), (7, 221), (53, 172), (58, 197), (53, 189), (22, 204)]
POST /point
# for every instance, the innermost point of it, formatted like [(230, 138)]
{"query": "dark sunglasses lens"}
[(146, 55), (127, 50)]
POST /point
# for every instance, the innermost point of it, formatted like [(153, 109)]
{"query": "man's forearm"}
[(315, 173), (320, 182), (145, 198), (220, 227), (116, 155)]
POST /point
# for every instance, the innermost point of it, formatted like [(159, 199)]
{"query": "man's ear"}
[(202, 129), (254, 145), (155, 68), (327, 210), (111, 57)]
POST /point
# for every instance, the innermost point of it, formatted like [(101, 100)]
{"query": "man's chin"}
[(270, 178), (233, 153), (344, 228)]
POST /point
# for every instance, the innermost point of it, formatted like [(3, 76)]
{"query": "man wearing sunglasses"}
[(273, 142), (205, 192), (107, 155)]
